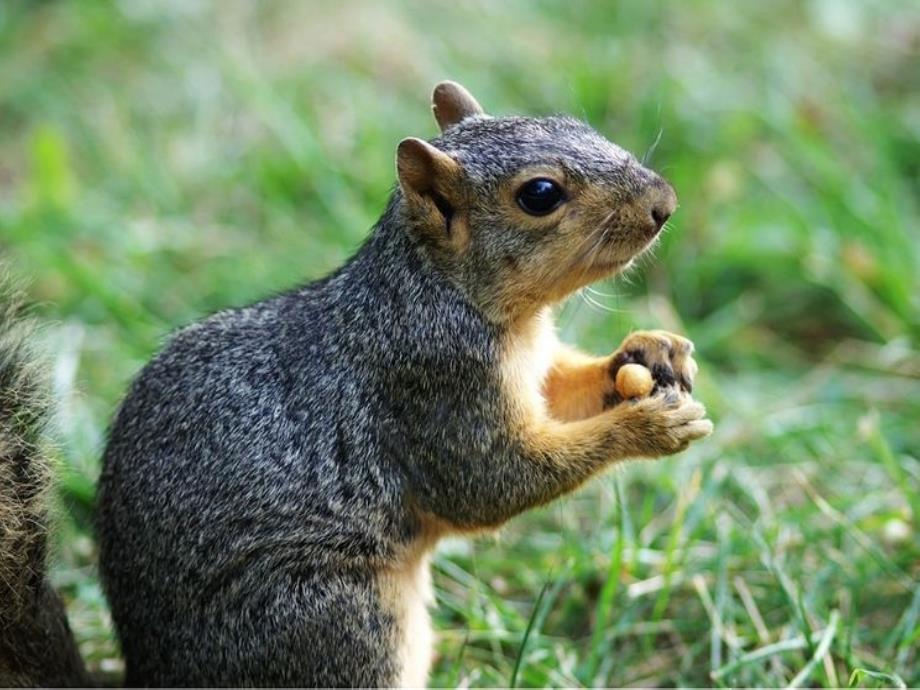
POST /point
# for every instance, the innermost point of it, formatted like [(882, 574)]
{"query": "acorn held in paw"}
[(634, 381)]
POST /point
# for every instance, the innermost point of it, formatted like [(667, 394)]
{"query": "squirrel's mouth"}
[(617, 252), (601, 267), (609, 251), (588, 269)]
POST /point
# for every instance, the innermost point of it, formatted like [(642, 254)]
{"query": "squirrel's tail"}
[(36, 645)]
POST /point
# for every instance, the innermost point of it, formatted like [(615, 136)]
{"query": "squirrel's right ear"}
[(452, 103)]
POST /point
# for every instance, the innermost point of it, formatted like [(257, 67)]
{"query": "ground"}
[(161, 160)]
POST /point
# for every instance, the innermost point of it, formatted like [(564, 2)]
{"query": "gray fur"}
[(272, 459), (260, 472)]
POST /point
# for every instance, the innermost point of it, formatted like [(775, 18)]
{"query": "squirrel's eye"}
[(540, 196)]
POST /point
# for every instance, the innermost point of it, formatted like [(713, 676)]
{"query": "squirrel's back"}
[(250, 469)]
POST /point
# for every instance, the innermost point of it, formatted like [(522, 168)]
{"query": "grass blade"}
[(824, 644), (890, 679)]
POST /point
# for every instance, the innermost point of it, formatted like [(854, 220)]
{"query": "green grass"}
[(160, 160)]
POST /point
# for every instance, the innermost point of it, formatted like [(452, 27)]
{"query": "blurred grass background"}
[(163, 159)]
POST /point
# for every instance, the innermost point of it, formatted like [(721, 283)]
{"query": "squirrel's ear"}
[(452, 103), (424, 169)]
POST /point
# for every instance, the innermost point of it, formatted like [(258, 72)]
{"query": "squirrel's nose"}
[(660, 214), (663, 202)]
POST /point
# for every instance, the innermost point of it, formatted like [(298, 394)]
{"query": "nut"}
[(634, 381)]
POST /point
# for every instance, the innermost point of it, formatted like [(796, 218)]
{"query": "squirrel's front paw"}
[(664, 423), (668, 356)]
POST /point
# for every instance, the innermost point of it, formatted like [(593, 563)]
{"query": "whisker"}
[(595, 239), (595, 291), (651, 149), (588, 260), (598, 305)]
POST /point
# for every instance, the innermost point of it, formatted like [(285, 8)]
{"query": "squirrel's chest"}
[(526, 358)]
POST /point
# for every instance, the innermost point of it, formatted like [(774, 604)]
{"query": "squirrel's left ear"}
[(431, 182), (452, 103), (425, 170)]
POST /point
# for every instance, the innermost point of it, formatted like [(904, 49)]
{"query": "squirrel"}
[(276, 479)]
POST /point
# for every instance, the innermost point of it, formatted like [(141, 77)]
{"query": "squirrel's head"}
[(520, 212)]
